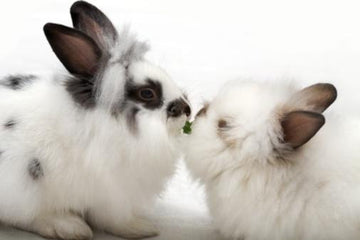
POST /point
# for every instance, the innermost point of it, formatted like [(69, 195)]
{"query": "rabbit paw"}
[(70, 227), (137, 228)]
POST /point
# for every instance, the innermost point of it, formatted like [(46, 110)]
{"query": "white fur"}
[(94, 166), (313, 195), (102, 164)]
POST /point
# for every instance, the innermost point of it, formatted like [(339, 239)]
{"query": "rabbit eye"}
[(147, 94)]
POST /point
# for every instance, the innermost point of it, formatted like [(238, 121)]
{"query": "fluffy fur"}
[(258, 186), (91, 165)]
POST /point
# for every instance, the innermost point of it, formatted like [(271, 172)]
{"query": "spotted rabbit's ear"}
[(300, 126), (78, 52), (90, 20), (316, 98)]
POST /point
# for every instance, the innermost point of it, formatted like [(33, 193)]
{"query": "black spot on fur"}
[(133, 93), (222, 124), (131, 119), (10, 124), (82, 91), (35, 169), (223, 132), (17, 82)]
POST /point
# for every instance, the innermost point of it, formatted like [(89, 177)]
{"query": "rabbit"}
[(272, 168), (91, 147)]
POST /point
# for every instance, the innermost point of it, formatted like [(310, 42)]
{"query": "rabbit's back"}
[(50, 156), (30, 111)]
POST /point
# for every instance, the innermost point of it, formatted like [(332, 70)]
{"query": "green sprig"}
[(187, 127)]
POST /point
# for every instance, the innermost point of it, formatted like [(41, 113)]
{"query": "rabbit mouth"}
[(175, 125)]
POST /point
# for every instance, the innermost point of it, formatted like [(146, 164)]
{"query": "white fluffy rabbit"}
[(94, 146), (272, 169)]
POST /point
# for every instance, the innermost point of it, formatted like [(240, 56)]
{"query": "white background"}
[(202, 44)]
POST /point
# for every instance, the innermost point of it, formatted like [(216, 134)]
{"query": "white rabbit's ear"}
[(90, 20), (316, 98), (300, 126), (78, 53)]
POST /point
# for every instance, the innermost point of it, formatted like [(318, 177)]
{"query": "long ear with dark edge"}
[(300, 126), (78, 53), (316, 98), (90, 20)]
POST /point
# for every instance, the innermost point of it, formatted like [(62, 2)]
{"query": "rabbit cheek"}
[(35, 169)]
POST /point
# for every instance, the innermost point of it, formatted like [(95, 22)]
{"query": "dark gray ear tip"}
[(78, 5), (320, 122), (82, 6), (50, 28), (53, 28), (80, 9), (332, 89), (331, 93), (319, 117), (76, 10)]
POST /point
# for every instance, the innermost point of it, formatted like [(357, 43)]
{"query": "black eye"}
[(147, 94)]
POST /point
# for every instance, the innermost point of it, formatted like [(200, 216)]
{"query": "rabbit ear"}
[(90, 20), (315, 98), (78, 53), (300, 126)]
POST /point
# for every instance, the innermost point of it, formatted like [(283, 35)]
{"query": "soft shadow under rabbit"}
[(272, 167), (91, 147)]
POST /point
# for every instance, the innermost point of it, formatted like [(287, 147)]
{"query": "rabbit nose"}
[(178, 108), (187, 110)]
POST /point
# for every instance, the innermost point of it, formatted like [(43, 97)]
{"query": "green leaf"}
[(187, 128)]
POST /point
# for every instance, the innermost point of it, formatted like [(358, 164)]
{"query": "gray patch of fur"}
[(129, 48), (10, 124), (82, 91), (35, 170), (17, 82), (131, 119)]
